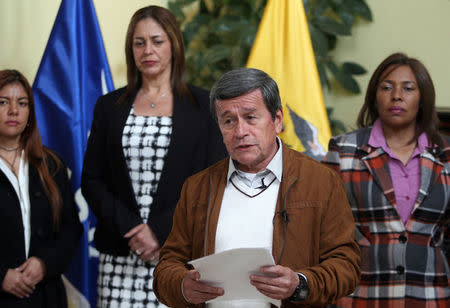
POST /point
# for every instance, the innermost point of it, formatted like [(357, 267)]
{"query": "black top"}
[(195, 144), (56, 249)]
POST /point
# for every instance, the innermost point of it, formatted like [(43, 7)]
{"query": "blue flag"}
[(73, 73)]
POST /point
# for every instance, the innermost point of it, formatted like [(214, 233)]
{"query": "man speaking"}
[(264, 195)]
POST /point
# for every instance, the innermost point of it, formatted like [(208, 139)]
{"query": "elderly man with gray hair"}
[(263, 195)]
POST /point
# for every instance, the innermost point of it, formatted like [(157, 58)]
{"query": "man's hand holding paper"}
[(227, 276), (196, 292), (277, 282)]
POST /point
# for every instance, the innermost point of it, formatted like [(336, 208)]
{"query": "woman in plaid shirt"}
[(396, 172)]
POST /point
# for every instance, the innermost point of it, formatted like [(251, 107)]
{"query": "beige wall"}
[(417, 27), (25, 27)]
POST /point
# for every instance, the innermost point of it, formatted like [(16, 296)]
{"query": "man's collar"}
[(275, 165)]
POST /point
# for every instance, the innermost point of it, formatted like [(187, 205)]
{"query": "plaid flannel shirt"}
[(402, 265)]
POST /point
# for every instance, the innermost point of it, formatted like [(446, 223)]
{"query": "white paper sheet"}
[(231, 270)]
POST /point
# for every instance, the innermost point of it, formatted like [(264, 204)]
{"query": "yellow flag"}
[(283, 50)]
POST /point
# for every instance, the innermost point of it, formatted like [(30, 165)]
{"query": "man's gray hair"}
[(242, 81)]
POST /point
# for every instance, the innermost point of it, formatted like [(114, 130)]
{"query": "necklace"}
[(153, 103), (11, 165), (8, 149), (263, 187), (405, 152)]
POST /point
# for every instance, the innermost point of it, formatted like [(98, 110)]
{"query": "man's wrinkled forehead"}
[(245, 103)]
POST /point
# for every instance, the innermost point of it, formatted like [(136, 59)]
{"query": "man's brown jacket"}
[(312, 232)]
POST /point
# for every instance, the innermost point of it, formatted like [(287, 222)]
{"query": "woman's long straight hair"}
[(426, 117), (168, 22), (35, 152)]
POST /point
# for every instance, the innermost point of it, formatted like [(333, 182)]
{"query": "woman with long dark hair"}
[(146, 139), (38, 217), (397, 174)]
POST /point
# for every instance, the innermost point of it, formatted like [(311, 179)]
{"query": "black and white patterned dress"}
[(127, 281)]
